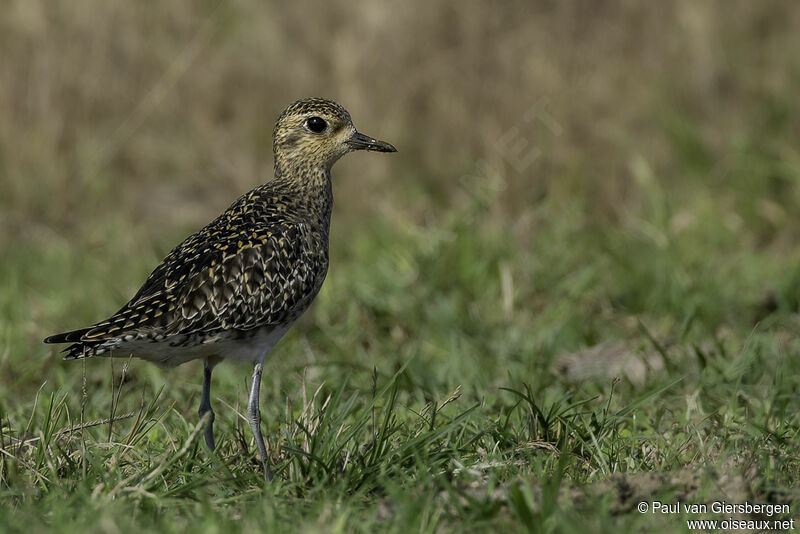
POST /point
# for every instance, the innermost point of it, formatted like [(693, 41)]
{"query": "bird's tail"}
[(67, 337)]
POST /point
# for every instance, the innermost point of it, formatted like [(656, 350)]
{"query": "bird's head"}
[(315, 133)]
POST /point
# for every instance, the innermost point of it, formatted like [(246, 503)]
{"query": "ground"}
[(419, 394)]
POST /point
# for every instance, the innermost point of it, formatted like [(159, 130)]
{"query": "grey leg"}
[(254, 418), (205, 402)]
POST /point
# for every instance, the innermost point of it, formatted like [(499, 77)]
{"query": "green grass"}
[(424, 391)]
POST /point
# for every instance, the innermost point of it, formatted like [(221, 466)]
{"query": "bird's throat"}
[(311, 187)]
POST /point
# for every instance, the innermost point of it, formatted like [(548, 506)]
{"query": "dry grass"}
[(165, 112)]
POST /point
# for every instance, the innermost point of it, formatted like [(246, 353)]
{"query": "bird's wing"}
[(223, 277), (269, 276)]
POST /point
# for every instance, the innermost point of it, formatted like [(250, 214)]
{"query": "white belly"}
[(172, 351)]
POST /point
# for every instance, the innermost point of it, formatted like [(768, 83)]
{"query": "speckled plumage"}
[(257, 266), (232, 289)]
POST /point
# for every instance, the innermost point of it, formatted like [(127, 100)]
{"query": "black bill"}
[(360, 141)]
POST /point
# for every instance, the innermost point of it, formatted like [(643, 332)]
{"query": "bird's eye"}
[(316, 124)]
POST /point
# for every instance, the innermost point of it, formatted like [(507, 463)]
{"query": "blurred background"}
[(161, 114), (566, 170)]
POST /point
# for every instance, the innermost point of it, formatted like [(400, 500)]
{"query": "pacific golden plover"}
[(234, 288)]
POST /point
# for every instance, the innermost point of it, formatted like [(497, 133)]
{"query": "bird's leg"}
[(205, 401), (254, 418)]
